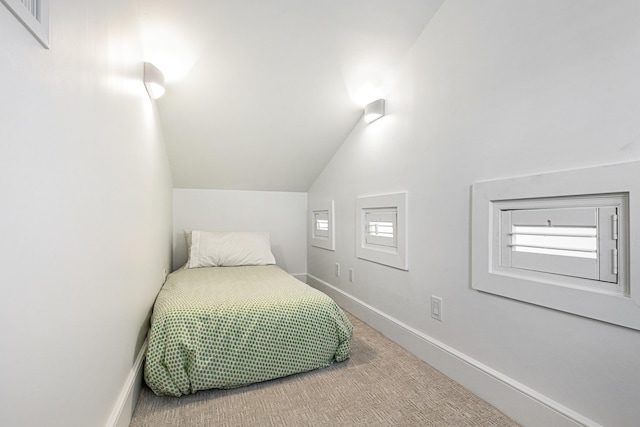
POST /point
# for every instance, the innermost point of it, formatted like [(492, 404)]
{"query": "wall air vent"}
[(34, 15)]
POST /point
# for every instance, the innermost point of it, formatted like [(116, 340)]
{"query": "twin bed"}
[(226, 326)]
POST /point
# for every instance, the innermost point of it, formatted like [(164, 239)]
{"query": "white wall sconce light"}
[(153, 80), (374, 110)]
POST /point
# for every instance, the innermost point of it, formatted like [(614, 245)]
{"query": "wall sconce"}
[(153, 80), (374, 110)]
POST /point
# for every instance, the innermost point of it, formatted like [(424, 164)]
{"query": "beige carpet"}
[(380, 385)]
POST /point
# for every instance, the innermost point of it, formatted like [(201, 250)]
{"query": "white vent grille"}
[(34, 15), (33, 7)]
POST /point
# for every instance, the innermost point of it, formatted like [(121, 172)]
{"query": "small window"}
[(563, 240), (553, 236), (322, 225), (34, 15), (380, 226), (382, 229)]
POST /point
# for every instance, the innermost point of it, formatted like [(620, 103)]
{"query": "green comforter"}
[(225, 327)]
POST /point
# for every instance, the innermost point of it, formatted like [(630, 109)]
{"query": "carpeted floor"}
[(380, 385)]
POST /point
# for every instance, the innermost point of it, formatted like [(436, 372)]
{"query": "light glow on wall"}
[(168, 49)]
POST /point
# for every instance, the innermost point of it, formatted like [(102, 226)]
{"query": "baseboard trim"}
[(126, 403), (523, 404), (300, 276)]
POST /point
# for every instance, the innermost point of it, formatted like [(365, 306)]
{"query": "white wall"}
[(490, 90), (86, 213), (282, 214)]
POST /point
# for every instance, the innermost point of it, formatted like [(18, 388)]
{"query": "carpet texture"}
[(380, 385)]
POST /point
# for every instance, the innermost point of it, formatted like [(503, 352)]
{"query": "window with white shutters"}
[(34, 15), (565, 240), (322, 225), (573, 237), (382, 229)]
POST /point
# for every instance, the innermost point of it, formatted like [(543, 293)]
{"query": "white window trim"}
[(321, 241), (623, 310), (38, 27), (392, 256)]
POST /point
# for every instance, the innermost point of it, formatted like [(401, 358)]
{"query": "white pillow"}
[(187, 238), (228, 249)]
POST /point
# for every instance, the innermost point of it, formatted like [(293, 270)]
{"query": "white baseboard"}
[(126, 403), (521, 403), (300, 276)]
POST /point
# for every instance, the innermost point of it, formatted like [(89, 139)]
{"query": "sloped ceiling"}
[(261, 93)]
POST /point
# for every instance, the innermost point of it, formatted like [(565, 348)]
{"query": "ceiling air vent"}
[(34, 15)]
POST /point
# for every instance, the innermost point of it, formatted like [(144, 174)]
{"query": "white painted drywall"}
[(85, 190), (496, 89), (276, 86), (282, 214)]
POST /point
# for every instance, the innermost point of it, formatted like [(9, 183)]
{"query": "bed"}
[(230, 326)]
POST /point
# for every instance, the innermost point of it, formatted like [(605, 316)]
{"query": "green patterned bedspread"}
[(225, 327)]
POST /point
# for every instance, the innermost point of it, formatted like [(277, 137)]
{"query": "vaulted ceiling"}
[(261, 93)]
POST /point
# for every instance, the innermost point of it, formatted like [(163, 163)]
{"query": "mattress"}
[(226, 327)]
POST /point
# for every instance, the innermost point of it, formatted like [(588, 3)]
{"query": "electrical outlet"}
[(337, 269), (351, 275), (436, 308)]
